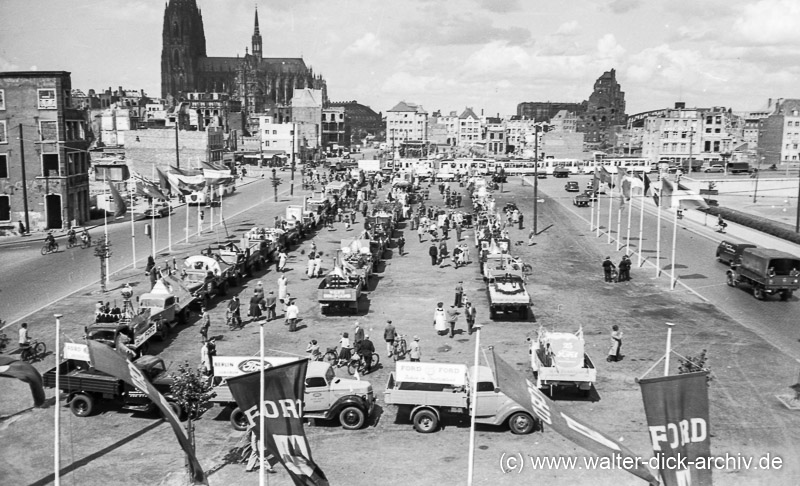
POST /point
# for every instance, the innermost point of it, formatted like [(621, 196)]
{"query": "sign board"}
[(337, 294), (226, 366), (76, 351), (441, 373), (567, 349)]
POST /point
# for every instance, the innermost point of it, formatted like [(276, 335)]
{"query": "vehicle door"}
[(487, 400), (318, 395)]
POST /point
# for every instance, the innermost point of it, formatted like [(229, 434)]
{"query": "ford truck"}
[(766, 272)]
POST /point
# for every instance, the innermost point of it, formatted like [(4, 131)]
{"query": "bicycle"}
[(86, 242), (357, 363), (50, 248), (34, 351), (234, 321), (72, 241)]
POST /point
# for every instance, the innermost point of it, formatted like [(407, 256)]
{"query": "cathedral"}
[(262, 84)]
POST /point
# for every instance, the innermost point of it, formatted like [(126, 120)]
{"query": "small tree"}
[(191, 391), (693, 364)]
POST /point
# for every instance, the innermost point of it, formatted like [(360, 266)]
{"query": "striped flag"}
[(163, 182), (14, 368)]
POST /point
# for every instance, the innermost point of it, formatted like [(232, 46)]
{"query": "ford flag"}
[(677, 417), (14, 368), (284, 386), (521, 390)]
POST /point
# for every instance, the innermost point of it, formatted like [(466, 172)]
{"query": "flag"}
[(145, 187), (605, 176), (648, 191), (621, 173), (122, 208), (595, 181), (517, 387), (666, 193), (636, 183), (214, 177), (284, 389), (163, 182), (186, 184), (692, 201), (676, 408), (14, 368), (110, 362)]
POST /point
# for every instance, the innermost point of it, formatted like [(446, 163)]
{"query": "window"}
[(5, 208), (274, 132), (3, 133), (50, 165), (2, 99), (316, 382), (3, 166), (49, 131), (47, 99)]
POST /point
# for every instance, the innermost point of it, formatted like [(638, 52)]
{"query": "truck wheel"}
[(731, 280), (758, 293), (425, 421), (786, 294), (238, 419), (352, 418), (521, 423), (82, 405)]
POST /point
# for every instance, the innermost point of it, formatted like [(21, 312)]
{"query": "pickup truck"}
[(767, 272), (507, 295), (132, 329), (86, 387), (558, 360), (428, 392), (327, 396), (338, 290), (358, 258), (168, 303), (206, 277)]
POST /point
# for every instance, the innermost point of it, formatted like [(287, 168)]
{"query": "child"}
[(313, 349)]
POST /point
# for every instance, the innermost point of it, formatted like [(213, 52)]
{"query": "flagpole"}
[(658, 233), (57, 407), (669, 348), (610, 210), (105, 230), (628, 236), (474, 385), (674, 244), (591, 214), (169, 223), (597, 197), (187, 221), (619, 224), (262, 469), (641, 228), (133, 233)]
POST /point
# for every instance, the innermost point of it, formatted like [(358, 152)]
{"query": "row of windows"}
[(796, 124), (708, 147), (46, 99), (77, 163)]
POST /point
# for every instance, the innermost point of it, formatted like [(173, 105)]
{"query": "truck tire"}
[(758, 293), (352, 418), (82, 405), (786, 294), (731, 281), (521, 423), (238, 419), (425, 422)]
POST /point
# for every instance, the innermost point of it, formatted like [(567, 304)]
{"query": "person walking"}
[(310, 266), (614, 352), (255, 307), (282, 288), (205, 359), (292, 312), (469, 313), (317, 272), (624, 269), (270, 303), (440, 319), (389, 335), (608, 266), (234, 313), (205, 322), (459, 293), (433, 252), (452, 317), (420, 232), (456, 257), (521, 217), (414, 351), (442, 252), (458, 231), (531, 235), (365, 349), (358, 333), (282, 257), (401, 243)]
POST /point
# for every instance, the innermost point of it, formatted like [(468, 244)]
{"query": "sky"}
[(446, 55)]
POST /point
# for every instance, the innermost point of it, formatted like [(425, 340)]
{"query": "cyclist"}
[(721, 224), (85, 237), (24, 339), (365, 349), (313, 349), (51, 242), (71, 236)]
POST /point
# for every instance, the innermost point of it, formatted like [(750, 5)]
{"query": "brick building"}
[(52, 139), (543, 111), (605, 109)]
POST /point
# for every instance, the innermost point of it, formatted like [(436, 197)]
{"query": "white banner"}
[(442, 373), (227, 366)]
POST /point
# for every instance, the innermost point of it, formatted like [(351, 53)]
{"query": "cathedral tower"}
[(184, 44), (257, 52)]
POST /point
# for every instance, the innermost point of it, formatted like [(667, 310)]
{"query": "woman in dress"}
[(439, 319), (255, 306), (616, 344)]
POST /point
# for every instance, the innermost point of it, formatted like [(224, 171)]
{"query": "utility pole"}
[(24, 180)]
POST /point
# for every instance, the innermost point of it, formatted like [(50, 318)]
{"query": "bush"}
[(774, 228), (693, 364)]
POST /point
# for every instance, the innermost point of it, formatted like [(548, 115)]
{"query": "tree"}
[(692, 364), (191, 390)]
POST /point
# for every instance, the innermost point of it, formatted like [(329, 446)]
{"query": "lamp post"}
[(474, 385)]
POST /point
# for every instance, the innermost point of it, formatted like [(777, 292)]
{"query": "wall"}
[(158, 147)]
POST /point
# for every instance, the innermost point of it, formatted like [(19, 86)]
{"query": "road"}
[(29, 280), (696, 267)]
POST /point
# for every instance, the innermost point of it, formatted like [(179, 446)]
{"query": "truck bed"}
[(396, 394), (76, 378), (501, 293)]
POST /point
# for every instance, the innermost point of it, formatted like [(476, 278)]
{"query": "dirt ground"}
[(568, 293)]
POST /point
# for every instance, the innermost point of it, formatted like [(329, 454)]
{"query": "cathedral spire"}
[(257, 38)]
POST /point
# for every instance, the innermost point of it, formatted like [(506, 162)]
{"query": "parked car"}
[(715, 168), (541, 175), (572, 186), (728, 251)]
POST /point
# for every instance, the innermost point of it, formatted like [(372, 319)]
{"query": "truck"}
[(327, 397), (429, 393), (558, 360), (86, 388), (206, 277), (245, 258), (507, 295), (766, 272), (338, 290), (738, 168), (168, 303), (357, 259)]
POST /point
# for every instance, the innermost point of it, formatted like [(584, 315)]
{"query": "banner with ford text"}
[(111, 362), (677, 416), (517, 387), (284, 387)]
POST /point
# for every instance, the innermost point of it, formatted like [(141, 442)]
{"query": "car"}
[(729, 252), (158, 211), (572, 186), (541, 175), (715, 168)]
